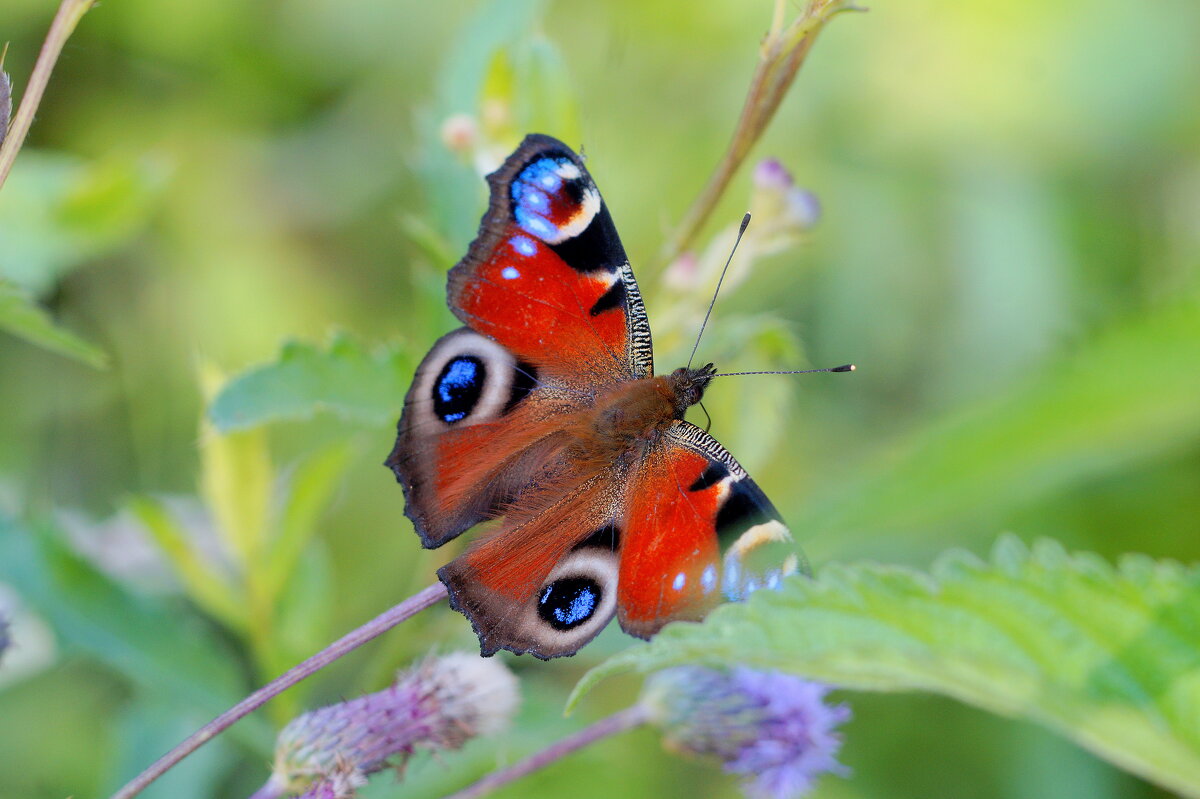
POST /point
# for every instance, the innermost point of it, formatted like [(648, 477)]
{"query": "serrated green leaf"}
[(1109, 657), (22, 317), (347, 379)]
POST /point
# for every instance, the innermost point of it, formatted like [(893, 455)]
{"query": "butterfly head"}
[(689, 384)]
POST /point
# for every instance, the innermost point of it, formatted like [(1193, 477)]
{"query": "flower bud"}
[(438, 704)]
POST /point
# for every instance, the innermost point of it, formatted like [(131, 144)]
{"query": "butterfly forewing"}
[(547, 276)]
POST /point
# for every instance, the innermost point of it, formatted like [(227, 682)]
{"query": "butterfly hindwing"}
[(545, 582), (696, 530)]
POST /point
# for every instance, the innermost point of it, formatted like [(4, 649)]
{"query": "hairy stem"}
[(68, 16), (344, 645), (618, 722)]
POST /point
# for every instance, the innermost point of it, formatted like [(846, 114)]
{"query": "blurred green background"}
[(1009, 250)]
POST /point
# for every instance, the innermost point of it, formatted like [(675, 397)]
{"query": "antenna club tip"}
[(745, 223), (846, 367)]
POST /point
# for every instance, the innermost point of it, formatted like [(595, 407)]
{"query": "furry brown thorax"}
[(628, 418)]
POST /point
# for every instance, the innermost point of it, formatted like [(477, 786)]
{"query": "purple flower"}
[(438, 704), (774, 729)]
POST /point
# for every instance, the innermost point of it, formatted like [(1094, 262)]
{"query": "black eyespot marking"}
[(576, 189), (458, 388), (715, 473), (524, 380), (569, 602), (605, 538), (742, 510), (613, 298), (596, 248)]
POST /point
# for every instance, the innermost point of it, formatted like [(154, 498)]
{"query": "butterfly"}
[(542, 416)]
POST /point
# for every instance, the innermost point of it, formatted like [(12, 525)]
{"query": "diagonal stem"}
[(344, 645), (618, 722), (68, 16), (783, 53)]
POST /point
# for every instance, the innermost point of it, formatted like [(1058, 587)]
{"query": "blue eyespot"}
[(531, 193), (569, 602), (458, 388), (539, 226)]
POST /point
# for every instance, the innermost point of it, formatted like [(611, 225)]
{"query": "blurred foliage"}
[(345, 379), (1009, 251)]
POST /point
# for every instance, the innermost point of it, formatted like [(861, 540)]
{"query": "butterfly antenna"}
[(846, 367), (741, 230)]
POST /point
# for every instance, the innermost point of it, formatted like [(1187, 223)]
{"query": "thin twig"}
[(618, 722), (783, 52), (344, 645), (68, 16)]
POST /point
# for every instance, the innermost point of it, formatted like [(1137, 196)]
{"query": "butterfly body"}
[(542, 415)]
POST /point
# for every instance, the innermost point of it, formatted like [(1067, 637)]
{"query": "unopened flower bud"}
[(460, 133), (780, 207), (771, 175)]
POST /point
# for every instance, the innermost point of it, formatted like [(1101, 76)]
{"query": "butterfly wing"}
[(642, 542), (686, 502), (552, 314), (546, 582), (547, 277)]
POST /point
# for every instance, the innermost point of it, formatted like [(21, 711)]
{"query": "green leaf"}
[(203, 584), (309, 492), (58, 211), (22, 317), (1108, 656), (346, 379), (137, 636), (237, 481)]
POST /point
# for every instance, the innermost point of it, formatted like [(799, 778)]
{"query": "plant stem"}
[(68, 16), (783, 52), (344, 645), (618, 722)]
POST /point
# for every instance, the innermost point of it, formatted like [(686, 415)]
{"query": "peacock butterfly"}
[(543, 414)]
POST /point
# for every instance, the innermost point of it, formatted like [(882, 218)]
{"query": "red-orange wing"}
[(547, 277), (546, 581), (696, 530)]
